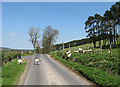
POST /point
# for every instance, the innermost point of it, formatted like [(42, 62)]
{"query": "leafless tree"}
[(34, 36), (49, 37)]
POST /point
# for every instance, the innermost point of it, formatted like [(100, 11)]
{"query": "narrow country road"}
[(50, 72)]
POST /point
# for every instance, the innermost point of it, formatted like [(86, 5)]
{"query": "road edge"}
[(24, 74), (75, 73)]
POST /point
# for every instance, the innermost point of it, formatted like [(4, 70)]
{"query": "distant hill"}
[(9, 49), (4, 48)]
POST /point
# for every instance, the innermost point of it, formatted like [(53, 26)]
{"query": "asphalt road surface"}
[(50, 72)]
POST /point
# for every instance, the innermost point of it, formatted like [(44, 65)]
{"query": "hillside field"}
[(99, 66)]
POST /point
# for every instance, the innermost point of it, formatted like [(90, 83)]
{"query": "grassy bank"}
[(99, 68), (28, 54), (11, 72)]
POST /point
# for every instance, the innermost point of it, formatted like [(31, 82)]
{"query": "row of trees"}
[(100, 28), (105, 27), (72, 43), (48, 38)]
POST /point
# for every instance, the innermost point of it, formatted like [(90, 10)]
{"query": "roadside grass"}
[(98, 60), (11, 72), (97, 75), (28, 54)]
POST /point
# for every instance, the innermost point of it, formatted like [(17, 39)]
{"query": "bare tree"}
[(34, 36), (49, 37)]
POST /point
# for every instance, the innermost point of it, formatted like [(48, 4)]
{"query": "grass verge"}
[(11, 72), (28, 54), (97, 76)]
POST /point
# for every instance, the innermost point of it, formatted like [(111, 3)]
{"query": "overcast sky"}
[(69, 18)]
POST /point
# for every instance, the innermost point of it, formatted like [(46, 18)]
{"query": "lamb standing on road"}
[(37, 61)]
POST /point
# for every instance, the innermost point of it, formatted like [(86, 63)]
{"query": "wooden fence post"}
[(101, 48), (110, 50), (69, 45), (93, 49), (63, 45), (22, 52), (29, 51)]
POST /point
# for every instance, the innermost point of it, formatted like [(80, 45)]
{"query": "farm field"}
[(99, 67)]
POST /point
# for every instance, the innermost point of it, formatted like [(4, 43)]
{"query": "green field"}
[(99, 67), (11, 72), (87, 46)]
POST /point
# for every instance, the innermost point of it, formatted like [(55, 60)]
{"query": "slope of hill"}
[(99, 67)]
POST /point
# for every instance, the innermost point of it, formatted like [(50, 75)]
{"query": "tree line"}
[(104, 27), (100, 28)]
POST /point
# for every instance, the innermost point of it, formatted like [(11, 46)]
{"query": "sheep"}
[(20, 61), (68, 54), (90, 50), (76, 51), (85, 51), (37, 61), (80, 50), (109, 51)]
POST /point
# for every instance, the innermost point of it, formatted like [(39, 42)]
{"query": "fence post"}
[(87, 47), (29, 52), (22, 52), (93, 49), (63, 45), (69, 45), (110, 50), (101, 48)]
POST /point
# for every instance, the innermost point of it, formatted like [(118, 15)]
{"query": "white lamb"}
[(85, 51), (80, 50), (89, 50), (68, 52), (20, 61), (76, 51), (69, 55), (109, 51)]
